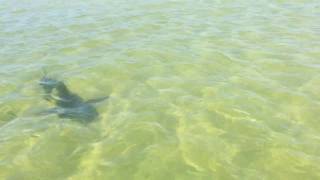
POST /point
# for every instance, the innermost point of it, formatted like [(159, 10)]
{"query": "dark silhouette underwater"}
[(68, 104)]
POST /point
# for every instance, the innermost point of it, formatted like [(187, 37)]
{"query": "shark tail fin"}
[(96, 100)]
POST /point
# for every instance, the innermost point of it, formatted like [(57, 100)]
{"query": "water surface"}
[(198, 89)]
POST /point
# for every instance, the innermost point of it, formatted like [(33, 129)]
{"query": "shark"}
[(68, 104)]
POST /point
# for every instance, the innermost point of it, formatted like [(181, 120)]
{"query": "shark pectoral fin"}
[(96, 100)]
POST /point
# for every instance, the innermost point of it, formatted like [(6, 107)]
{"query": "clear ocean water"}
[(199, 90)]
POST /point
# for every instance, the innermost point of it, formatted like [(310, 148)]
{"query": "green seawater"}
[(199, 90)]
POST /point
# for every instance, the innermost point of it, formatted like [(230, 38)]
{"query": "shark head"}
[(48, 84)]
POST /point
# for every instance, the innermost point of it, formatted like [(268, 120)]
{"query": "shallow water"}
[(198, 89)]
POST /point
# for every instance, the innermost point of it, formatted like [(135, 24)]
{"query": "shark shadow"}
[(68, 104)]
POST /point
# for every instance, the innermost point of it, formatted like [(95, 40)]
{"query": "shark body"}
[(68, 104)]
